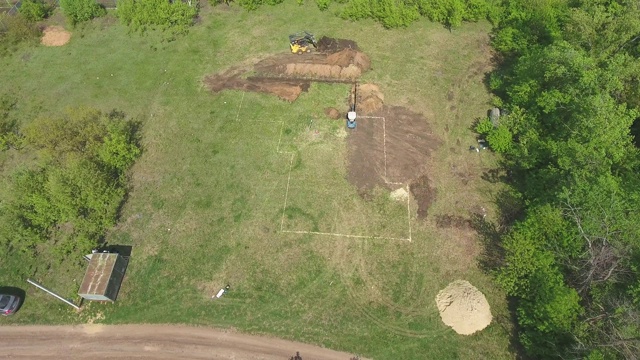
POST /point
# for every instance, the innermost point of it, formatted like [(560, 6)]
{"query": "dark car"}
[(8, 304)]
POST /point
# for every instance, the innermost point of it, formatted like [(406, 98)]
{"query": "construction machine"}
[(301, 42), (351, 115)]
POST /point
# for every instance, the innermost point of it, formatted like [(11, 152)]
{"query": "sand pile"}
[(370, 98), (463, 307), (55, 36)]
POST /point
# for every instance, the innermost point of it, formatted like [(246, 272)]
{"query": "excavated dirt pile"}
[(463, 307), (288, 75), (370, 99)]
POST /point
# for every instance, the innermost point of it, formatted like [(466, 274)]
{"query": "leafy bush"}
[(323, 4), (34, 10), (484, 127), (500, 139), (78, 11), (254, 4), (141, 15), (391, 13), (18, 30), (8, 124), (75, 195)]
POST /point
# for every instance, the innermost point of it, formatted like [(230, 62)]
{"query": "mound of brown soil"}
[(350, 72), (287, 75), (370, 99), (362, 61), (342, 58), (332, 113), (55, 36), (406, 139), (331, 45), (463, 307)]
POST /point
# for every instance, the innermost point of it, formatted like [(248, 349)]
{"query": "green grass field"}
[(207, 199)]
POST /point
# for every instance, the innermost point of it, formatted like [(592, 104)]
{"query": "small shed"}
[(103, 277)]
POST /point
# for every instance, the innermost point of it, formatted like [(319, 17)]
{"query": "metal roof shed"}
[(103, 277)]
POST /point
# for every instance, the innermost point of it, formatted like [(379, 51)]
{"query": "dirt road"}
[(149, 342)]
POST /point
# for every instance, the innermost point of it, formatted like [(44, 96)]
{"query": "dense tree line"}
[(72, 193), (569, 79)]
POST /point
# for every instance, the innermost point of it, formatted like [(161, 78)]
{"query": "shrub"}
[(144, 14), (75, 195), (357, 9), (18, 30), (323, 4), (391, 13), (34, 10), (500, 139), (484, 127), (8, 124), (78, 11)]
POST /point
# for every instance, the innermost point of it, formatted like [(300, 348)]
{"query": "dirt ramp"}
[(288, 90)]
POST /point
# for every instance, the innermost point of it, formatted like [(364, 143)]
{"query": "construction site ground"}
[(390, 147)]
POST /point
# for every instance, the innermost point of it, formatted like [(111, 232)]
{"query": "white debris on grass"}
[(400, 194)]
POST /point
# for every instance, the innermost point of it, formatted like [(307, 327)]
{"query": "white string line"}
[(240, 107), (343, 235), (384, 146), (409, 211), (286, 195)]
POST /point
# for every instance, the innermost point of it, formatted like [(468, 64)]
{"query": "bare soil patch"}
[(463, 307), (55, 36), (453, 221), (288, 75), (406, 138), (424, 194)]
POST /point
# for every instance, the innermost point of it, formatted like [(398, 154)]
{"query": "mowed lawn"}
[(207, 201)]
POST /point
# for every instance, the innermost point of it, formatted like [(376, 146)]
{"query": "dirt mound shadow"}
[(395, 149)]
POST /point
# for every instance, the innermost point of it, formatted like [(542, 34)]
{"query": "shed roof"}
[(100, 273)]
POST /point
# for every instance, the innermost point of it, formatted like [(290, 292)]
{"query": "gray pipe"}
[(53, 294)]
